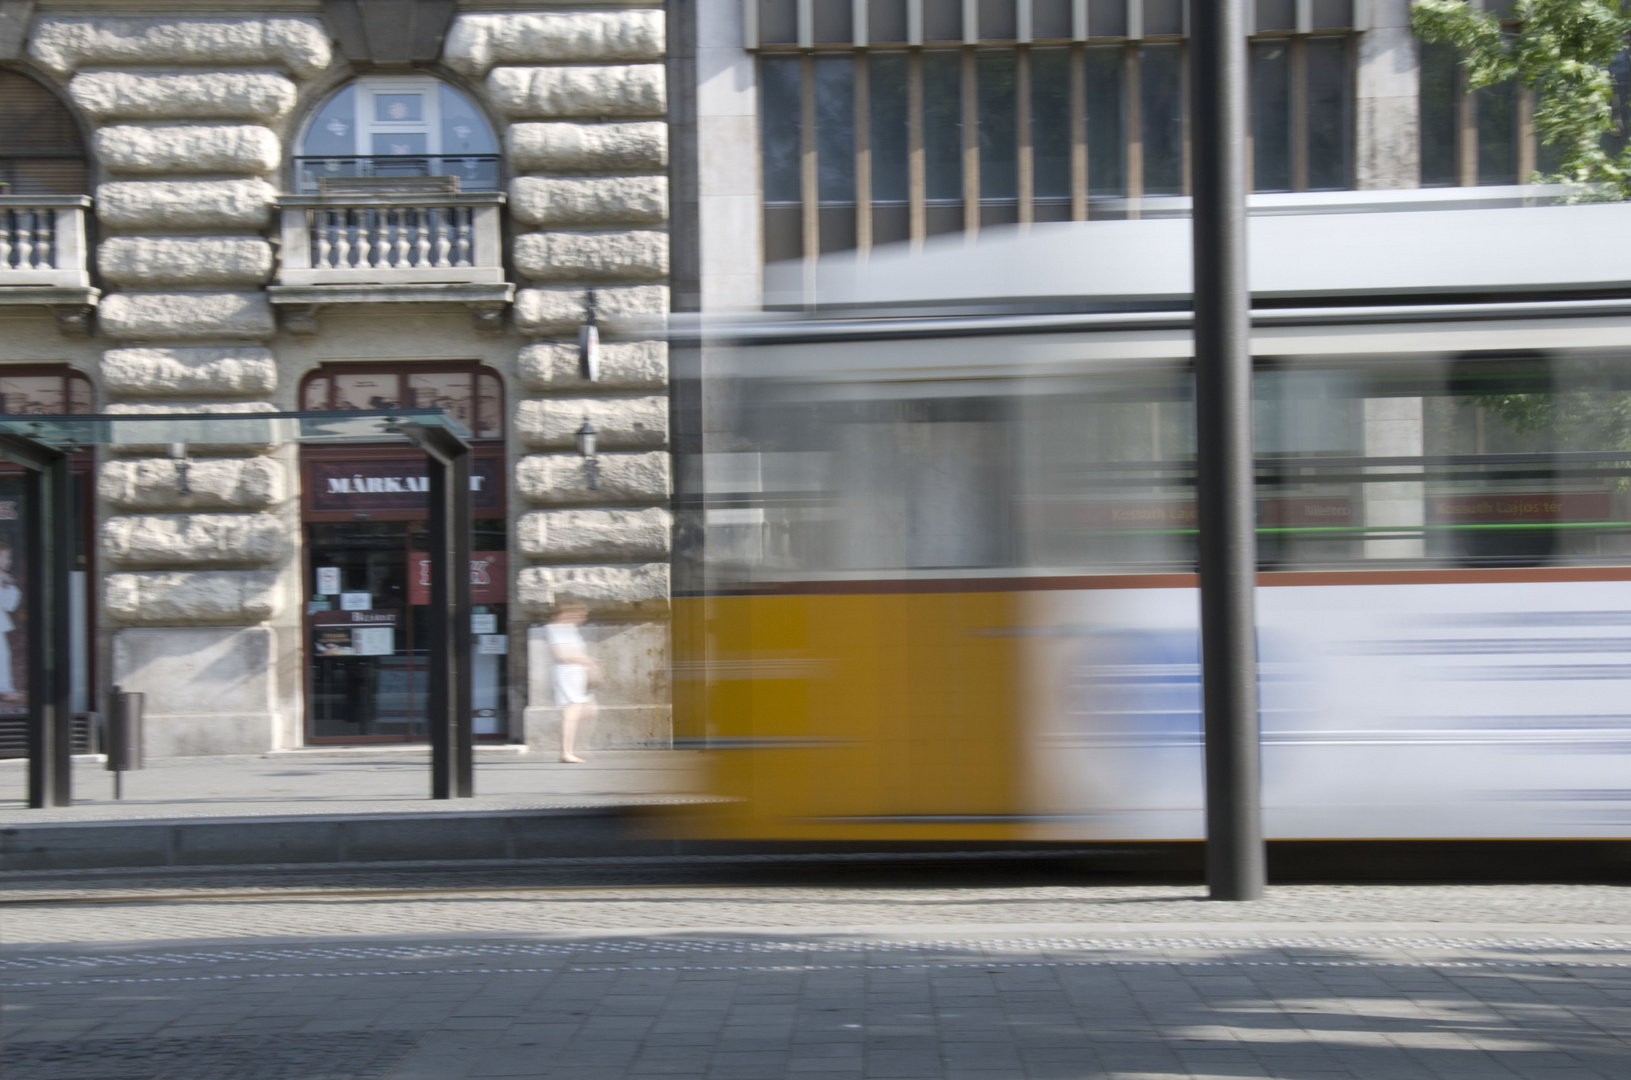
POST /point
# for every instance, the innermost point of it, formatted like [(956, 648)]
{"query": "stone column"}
[(200, 557), (585, 95), (1387, 104)]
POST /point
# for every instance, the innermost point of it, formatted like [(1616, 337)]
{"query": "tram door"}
[(368, 594)]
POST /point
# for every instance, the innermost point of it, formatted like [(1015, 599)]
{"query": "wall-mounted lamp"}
[(586, 437), (589, 345), (178, 454)]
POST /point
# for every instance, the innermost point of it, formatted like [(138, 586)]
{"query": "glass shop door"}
[(367, 598)]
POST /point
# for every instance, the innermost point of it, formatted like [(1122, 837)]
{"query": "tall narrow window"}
[(1050, 134), (781, 137), (1440, 112), (999, 138), (889, 131), (1271, 115), (1497, 133), (1161, 100), (943, 140), (1106, 121), (835, 150), (1330, 133)]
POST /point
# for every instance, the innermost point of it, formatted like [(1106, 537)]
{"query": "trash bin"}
[(124, 736)]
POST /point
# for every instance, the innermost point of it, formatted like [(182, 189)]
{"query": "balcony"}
[(472, 172), (379, 241), (42, 257)]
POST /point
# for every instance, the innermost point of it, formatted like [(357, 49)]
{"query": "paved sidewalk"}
[(405, 977), (328, 782)]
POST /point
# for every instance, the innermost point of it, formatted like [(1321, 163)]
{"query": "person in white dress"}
[(573, 674), (10, 597)]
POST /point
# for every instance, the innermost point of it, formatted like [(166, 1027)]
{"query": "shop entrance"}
[(368, 597)]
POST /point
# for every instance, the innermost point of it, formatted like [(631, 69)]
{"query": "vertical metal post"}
[(48, 510), (1235, 865), (448, 642)]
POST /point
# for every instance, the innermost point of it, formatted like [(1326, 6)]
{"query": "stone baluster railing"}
[(42, 240), (391, 239)]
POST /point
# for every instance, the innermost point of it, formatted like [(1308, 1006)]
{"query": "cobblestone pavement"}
[(441, 976), (350, 782)]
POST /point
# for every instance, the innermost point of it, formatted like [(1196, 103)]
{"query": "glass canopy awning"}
[(43, 446), (225, 428)]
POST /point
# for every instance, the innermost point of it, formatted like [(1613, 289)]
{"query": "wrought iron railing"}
[(475, 172)]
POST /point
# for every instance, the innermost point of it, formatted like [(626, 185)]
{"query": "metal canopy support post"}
[(1235, 866), (452, 758), (48, 519)]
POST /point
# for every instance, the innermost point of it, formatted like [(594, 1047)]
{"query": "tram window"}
[(1484, 460)]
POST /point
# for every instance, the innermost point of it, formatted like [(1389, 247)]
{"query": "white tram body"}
[(948, 520)]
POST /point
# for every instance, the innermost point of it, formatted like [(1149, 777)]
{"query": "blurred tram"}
[(945, 588)]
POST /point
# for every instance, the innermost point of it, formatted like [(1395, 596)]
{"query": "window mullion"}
[(971, 144), (1025, 169), (809, 191), (863, 150), (1528, 148), (1134, 97), (1078, 132), (1467, 130), (916, 178), (1299, 113), (1186, 112)]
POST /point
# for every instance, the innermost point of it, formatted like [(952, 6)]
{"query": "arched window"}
[(394, 127), (474, 397), (40, 149)]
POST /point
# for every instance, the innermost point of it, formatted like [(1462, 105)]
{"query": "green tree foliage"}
[(1562, 50)]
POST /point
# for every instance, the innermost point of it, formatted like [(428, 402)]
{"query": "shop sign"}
[(1498, 509), (489, 578), (379, 486), (386, 617)]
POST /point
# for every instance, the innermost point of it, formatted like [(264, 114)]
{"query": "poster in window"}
[(367, 391), (399, 108), (333, 641), (373, 640), (316, 396), (13, 608), (43, 395), (448, 390)]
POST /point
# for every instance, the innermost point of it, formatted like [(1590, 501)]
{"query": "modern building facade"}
[(335, 204)]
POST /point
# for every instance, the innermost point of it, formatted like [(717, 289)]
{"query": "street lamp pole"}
[(1235, 865)]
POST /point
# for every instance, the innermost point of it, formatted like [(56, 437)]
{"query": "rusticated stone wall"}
[(189, 118), (585, 97)]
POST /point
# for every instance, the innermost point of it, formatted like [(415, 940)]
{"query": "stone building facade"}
[(325, 204), (229, 240)]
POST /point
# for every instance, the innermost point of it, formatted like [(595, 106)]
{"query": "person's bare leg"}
[(569, 733)]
